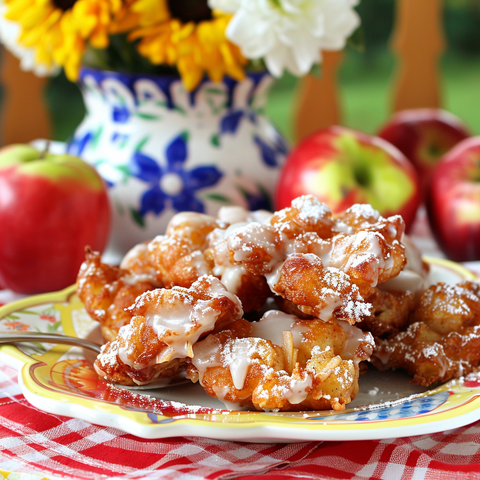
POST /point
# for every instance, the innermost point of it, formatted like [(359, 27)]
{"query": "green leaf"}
[(215, 91), (137, 218), (316, 71), (216, 109), (180, 109), (218, 198), (243, 191), (357, 40), (96, 137), (215, 140), (12, 317), (142, 143), (39, 346), (54, 326), (125, 170), (146, 116), (185, 135), (28, 312)]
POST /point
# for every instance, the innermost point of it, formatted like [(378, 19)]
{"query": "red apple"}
[(342, 167), (454, 202), (51, 208), (424, 135)]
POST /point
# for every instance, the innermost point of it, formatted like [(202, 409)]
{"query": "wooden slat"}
[(419, 42), (318, 105), (23, 113)]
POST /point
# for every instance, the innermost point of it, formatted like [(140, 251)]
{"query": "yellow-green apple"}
[(424, 135), (51, 208), (453, 203), (342, 167)]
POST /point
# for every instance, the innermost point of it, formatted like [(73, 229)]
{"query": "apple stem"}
[(45, 150)]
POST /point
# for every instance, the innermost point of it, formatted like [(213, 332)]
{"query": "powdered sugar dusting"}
[(311, 210)]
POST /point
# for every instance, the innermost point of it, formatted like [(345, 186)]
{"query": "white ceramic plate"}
[(61, 380)]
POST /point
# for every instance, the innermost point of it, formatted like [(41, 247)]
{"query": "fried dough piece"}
[(138, 262), (294, 270), (318, 291), (306, 214), (282, 363), (367, 258), (193, 246), (178, 256), (106, 291), (252, 289), (360, 243), (374, 252), (390, 312), (443, 339), (165, 325)]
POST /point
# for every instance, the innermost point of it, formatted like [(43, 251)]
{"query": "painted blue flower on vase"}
[(231, 121), (258, 200), (173, 184), (270, 154), (77, 144)]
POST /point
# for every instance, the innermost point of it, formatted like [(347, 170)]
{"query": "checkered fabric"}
[(41, 446)]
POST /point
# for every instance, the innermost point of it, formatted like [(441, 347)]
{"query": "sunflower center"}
[(188, 10), (64, 4)]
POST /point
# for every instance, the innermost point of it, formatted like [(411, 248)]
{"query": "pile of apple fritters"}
[(276, 311)]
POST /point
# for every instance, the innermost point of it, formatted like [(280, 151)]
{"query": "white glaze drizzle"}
[(181, 321), (355, 338)]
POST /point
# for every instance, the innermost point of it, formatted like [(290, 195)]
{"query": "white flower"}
[(9, 33), (289, 34)]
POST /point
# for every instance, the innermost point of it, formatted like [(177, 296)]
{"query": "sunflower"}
[(140, 13), (59, 30), (191, 37)]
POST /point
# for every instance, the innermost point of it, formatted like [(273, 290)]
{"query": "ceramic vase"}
[(163, 150)]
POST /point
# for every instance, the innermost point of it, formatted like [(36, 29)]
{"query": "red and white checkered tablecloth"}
[(35, 445)]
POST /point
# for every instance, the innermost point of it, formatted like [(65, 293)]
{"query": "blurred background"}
[(364, 78)]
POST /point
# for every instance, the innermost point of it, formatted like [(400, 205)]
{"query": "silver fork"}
[(26, 337), (21, 337)]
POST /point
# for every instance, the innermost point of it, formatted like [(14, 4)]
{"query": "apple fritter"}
[(282, 363), (322, 292), (165, 325), (442, 340), (390, 312), (252, 289), (107, 291), (194, 245), (178, 256), (306, 214), (370, 251), (358, 248)]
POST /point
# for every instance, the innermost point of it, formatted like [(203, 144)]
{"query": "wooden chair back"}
[(23, 114), (417, 40)]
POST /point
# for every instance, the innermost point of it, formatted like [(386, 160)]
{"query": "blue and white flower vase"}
[(163, 150)]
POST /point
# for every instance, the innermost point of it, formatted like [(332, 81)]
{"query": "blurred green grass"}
[(365, 85), (366, 89)]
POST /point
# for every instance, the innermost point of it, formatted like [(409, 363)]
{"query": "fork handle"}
[(18, 337)]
